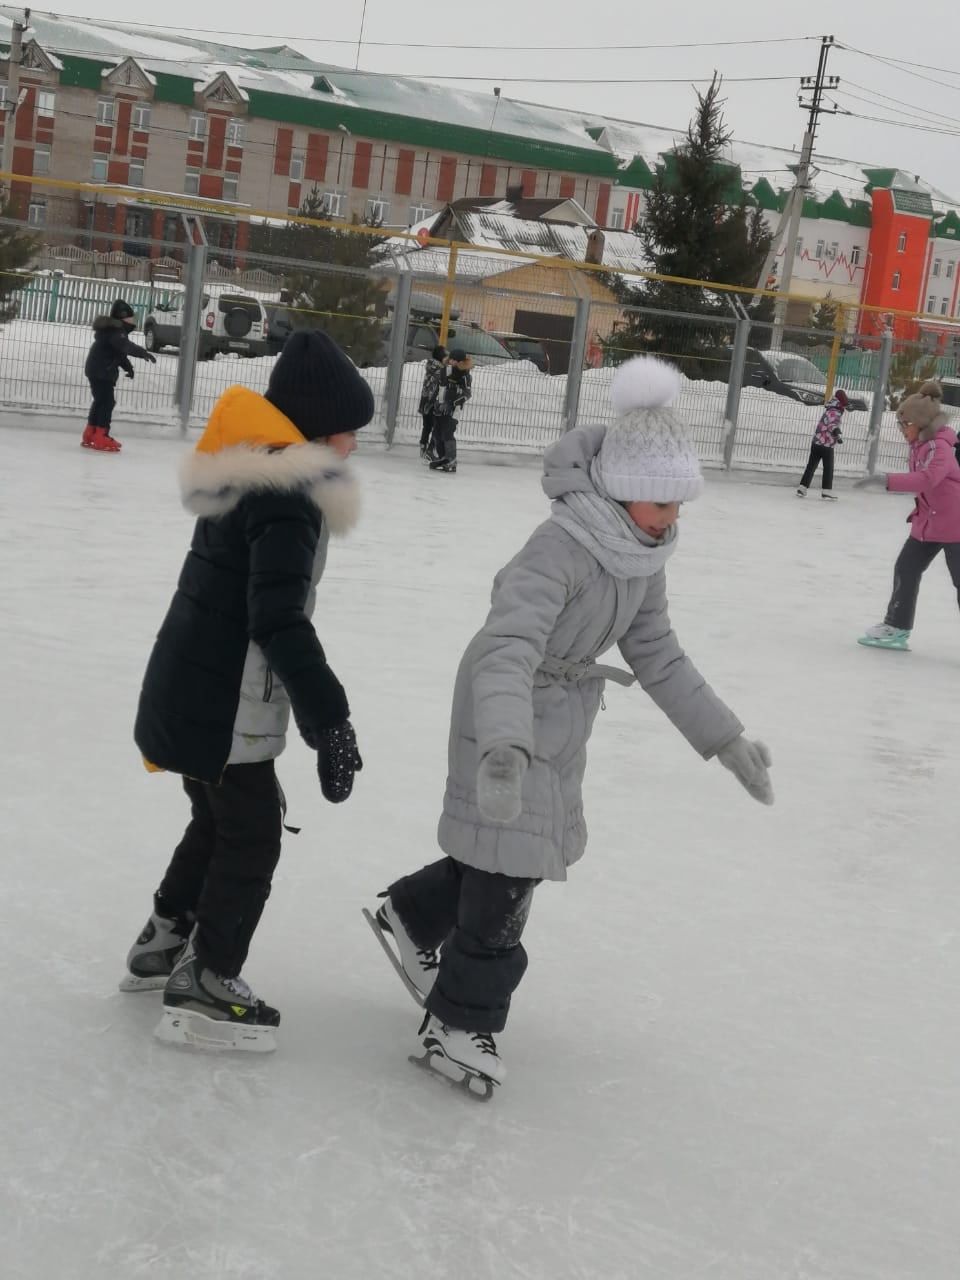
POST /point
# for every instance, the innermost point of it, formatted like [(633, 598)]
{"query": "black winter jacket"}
[(455, 392), (248, 577), (111, 350)]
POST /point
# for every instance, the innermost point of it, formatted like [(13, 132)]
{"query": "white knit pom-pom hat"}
[(647, 455)]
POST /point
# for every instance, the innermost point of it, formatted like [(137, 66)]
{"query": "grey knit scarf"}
[(604, 528)]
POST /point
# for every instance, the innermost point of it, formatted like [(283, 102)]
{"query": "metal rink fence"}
[(544, 356)]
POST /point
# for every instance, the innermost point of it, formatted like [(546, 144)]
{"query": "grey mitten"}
[(499, 781), (748, 762), (879, 481)]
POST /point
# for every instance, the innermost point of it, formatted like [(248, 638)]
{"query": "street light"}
[(344, 134)]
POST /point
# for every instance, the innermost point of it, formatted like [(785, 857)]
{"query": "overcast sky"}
[(762, 112)]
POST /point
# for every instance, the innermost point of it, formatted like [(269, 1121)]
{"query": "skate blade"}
[(392, 957), (443, 1068), (196, 1030), (132, 983), (869, 643)]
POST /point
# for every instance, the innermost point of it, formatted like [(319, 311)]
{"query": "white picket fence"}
[(76, 300)]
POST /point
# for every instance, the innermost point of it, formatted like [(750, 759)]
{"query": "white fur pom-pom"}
[(644, 383)]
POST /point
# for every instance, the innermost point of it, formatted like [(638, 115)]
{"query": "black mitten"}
[(337, 761)]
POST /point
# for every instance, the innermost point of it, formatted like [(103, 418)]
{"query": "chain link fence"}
[(545, 348)]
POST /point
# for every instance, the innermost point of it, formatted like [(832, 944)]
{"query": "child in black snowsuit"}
[(456, 391), (432, 384), (110, 352)]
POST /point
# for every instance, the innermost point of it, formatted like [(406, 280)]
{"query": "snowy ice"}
[(735, 1053)]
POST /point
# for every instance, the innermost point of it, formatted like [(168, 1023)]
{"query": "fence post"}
[(578, 351), (190, 335), (56, 281), (879, 399), (731, 411), (398, 351)]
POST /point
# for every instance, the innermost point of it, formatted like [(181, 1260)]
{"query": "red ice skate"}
[(86, 440), (103, 442)]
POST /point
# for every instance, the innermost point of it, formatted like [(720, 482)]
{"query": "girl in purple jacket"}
[(934, 479)]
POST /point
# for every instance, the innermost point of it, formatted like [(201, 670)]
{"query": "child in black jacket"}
[(455, 391), (110, 352)]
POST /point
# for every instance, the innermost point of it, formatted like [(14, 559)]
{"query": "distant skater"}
[(110, 352), (826, 437), (433, 377)]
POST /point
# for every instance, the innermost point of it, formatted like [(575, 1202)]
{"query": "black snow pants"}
[(477, 918), (104, 399), (222, 868), (819, 453), (444, 433), (429, 428), (912, 562)]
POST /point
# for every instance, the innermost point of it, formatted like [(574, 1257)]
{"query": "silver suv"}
[(231, 321)]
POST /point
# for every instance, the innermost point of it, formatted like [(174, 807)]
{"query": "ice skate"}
[(103, 442), (416, 966), (802, 491), (154, 955), (442, 465), (466, 1059), (206, 1011), (86, 440), (885, 637), (828, 495)]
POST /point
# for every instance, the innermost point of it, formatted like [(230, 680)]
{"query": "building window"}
[(98, 170), (944, 306), (3, 93), (191, 182), (856, 256), (616, 219), (820, 248), (235, 133), (377, 210), (296, 167), (105, 111), (140, 116), (333, 204), (136, 174), (833, 251), (931, 304), (231, 187), (936, 266), (37, 213), (420, 213), (902, 243), (41, 160), (46, 103), (799, 249), (950, 266), (198, 126)]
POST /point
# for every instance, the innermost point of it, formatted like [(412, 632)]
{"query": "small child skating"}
[(237, 651), (934, 479), (110, 352), (433, 376), (456, 390), (826, 437), (527, 692)]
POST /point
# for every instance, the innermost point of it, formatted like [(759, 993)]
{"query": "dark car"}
[(279, 327), (423, 335), (524, 348), (786, 373)]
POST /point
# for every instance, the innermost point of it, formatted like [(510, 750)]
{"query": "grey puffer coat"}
[(555, 603)]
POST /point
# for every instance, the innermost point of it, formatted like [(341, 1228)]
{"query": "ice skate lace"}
[(428, 958), (237, 987), (485, 1043)]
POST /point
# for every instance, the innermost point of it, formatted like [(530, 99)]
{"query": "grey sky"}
[(765, 112)]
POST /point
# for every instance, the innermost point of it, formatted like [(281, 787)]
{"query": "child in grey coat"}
[(527, 692)]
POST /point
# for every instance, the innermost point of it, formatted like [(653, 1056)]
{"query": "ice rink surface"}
[(735, 1053)]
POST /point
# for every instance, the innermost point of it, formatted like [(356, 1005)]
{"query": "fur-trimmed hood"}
[(249, 446), (102, 324)]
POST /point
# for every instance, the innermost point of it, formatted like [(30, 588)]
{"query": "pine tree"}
[(694, 228), (338, 295), (17, 251), (910, 367)]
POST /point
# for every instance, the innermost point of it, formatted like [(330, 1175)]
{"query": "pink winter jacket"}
[(934, 477)]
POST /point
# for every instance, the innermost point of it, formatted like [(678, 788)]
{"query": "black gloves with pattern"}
[(337, 761)]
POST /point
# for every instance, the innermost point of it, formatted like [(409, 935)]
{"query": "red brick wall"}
[(216, 142), (124, 108), (361, 165), (446, 182), (568, 187), (404, 182), (281, 157), (488, 180), (315, 165), (211, 186)]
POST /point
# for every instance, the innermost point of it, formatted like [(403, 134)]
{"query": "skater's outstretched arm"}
[(283, 534), (138, 353), (933, 468), (653, 653)]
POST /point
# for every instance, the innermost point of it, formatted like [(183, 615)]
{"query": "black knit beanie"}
[(121, 310), (318, 387)]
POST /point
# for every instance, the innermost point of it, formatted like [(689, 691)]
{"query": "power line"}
[(902, 62), (414, 44), (924, 118), (901, 124), (892, 64), (899, 102)]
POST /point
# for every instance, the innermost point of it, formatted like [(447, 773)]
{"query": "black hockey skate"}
[(206, 1011), (152, 957)]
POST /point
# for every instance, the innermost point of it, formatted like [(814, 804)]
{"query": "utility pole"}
[(793, 210), (13, 88)]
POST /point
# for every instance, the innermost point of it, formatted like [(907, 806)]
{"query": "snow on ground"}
[(514, 407), (735, 1052)]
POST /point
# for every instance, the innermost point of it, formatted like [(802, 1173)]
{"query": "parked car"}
[(279, 326), (229, 321), (423, 335), (524, 348), (951, 392), (786, 373)]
